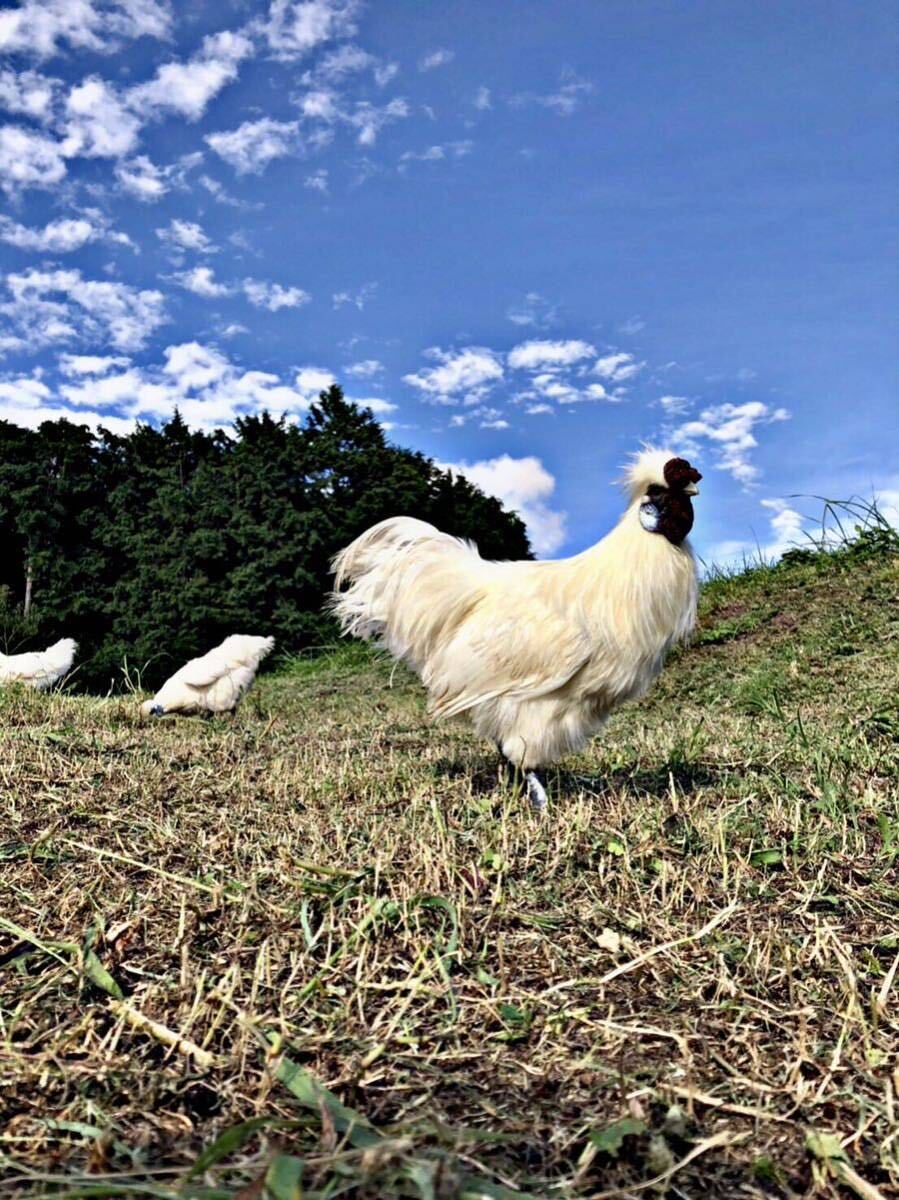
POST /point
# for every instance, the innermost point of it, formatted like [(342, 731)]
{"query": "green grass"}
[(373, 972)]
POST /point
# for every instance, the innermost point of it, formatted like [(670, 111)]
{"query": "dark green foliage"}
[(154, 546)]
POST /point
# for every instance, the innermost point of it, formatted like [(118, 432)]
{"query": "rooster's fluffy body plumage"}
[(534, 654)]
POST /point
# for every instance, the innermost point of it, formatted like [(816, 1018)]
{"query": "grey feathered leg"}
[(527, 781), (536, 791)]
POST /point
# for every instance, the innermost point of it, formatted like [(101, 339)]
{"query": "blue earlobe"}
[(649, 516)]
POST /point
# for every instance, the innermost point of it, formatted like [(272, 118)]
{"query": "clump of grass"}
[(321, 949)]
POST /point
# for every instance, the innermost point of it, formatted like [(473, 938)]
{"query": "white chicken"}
[(40, 669), (534, 654), (214, 682)]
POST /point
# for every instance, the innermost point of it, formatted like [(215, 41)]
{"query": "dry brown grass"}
[(206, 923)]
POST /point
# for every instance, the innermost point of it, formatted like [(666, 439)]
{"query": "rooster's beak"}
[(691, 490)]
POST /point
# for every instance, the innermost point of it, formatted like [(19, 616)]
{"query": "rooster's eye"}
[(655, 490)]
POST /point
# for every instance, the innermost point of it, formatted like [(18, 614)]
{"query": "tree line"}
[(151, 547)]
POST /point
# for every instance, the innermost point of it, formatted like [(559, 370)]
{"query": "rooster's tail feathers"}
[(373, 568)]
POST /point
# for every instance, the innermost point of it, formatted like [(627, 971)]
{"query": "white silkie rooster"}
[(39, 669), (534, 654), (214, 682)]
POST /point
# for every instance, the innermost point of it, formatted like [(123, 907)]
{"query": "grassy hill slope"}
[(684, 971)]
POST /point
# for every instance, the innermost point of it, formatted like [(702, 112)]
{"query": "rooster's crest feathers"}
[(647, 467)]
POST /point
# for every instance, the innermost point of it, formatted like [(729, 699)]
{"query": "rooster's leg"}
[(536, 791), (529, 781)]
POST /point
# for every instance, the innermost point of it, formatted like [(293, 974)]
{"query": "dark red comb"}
[(678, 473)]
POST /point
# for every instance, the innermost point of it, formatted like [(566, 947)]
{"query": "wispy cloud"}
[(46, 307), (564, 101), (469, 373), (538, 353), (357, 299), (43, 28), (187, 87), (29, 160), (253, 145), (482, 100), (436, 58), (273, 296), (296, 27), (525, 486), (202, 282), (438, 153), (182, 235), (535, 311), (367, 368), (61, 236), (317, 181), (618, 367), (730, 430)]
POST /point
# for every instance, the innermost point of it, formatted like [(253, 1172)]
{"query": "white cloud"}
[(185, 235), (337, 64), (97, 124), (384, 72), (525, 486), (253, 145), (233, 330), (320, 104), (730, 429), (534, 310), (596, 391), (565, 101), (61, 236), (378, 406), (325, 107), (437, 153), (30, 93), (317, 181), (58, 306), (365, 369), (24, 392), (616, 368), (312, 380), (203, 383), (90, 364), (368, 119), (887, 500), (273, 296), (147, 182), (295, 27), (482, 99), (786, 526), (187, 87), (539, 353), (632, 326), (142, 179), (358, 299), (534, 410), (28, 401), (202, 282), (207, 388), (28, 159), (472, 370), (39, 27), (436, 58), (674, 406)]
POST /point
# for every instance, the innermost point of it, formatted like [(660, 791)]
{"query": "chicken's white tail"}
[(59, 657), (389, 596)]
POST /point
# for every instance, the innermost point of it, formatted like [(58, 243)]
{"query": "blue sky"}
[(531, 235)]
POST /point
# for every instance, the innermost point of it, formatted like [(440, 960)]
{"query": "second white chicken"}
[(213, 683)]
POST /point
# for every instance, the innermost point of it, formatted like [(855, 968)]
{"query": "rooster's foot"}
[(536, 791)]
